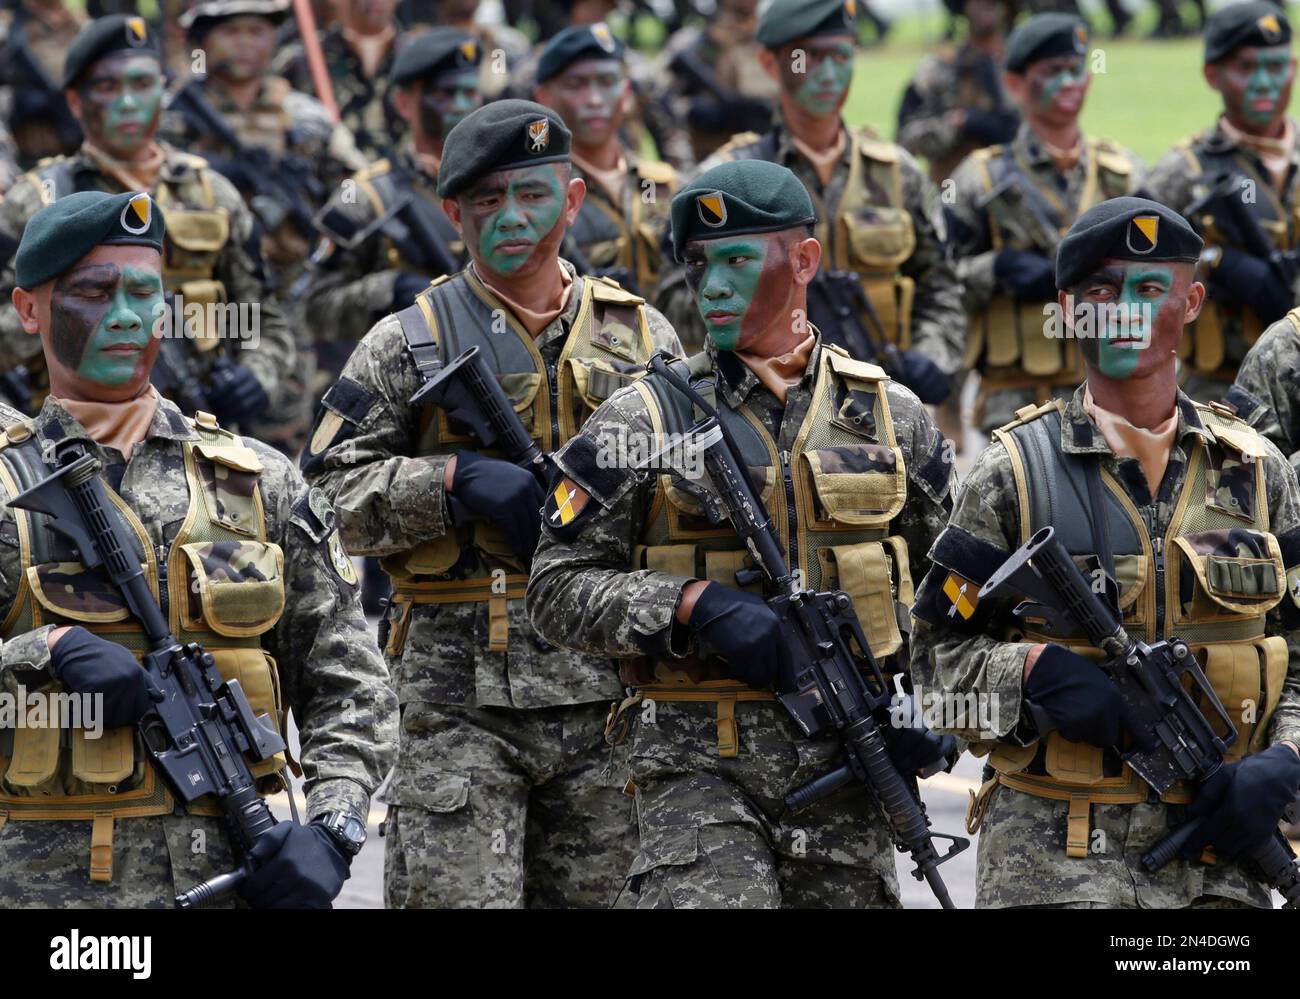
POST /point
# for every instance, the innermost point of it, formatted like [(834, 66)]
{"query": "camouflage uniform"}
[(953, 79), (885, 207), (504, 48), (1034, 850), (217, 250), (1267, 390), (1219, 339), (329, 672), (713, 759), (504, 793), (1018, 364)]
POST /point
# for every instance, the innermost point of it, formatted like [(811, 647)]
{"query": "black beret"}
[(589, 41), (203, 17), (1257, 24), (740, 197), (1125, 229), (60, 234), (789, 20), (503, 135), (104, 36), (1044, 36), (435, 51)]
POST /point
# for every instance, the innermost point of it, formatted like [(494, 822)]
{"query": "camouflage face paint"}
[(588, 95), (1268, 81), (514, 216), (446, 100), (740, 284), (1128, 303), (121, 97), (1056, 75), (822, 88), (101, 320)]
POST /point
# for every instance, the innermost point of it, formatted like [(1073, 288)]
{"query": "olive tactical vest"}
[(1210, 580), (383, 188), (627, 234), (221, 583)]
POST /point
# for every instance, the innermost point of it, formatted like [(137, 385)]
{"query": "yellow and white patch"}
[(1081, 39), (329, 425), (339, 557), (851, 8), (1142, 233), (712, 209), (962, 594), (469, 49), (1269, 27), (539, 135), (566, 503), (604, 37), (136, 214), (137, 32)]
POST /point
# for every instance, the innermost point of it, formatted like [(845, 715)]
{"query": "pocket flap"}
[(236, 456), (859, 484), (72, 591), (198, 231), (674, 846), (236, 588), (432, 790), (597, 380), (1249, 583)]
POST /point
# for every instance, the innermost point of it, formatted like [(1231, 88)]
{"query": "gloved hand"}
[(923, 377), (295, 867), (741, 630), (505, 494), (87, 664), (1079, 698), (405, 287), (236, 395), (989, 127), (1025, 274), (1240, 806), (914, 750), (1246, 280)]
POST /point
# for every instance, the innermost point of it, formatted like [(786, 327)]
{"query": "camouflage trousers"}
[(505, 808), (1022, 860), (47, 864), (712, 830)]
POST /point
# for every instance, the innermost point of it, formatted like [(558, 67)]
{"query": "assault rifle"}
[(1224, 202), (407, 223)]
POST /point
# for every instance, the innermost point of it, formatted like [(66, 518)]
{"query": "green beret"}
[(789, 20), (62, 233), (1044, 36), (1125, 229), (203, 17), (740, 197), (588, 41), (103, 36), (435, 51), (1256, 24), (503, 135)]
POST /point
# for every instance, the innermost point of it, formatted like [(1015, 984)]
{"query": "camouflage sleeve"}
[(20, 204), (1270, 376), (923, 128), (1170, 181), (332, 674), (291, 63), (662, 334), (931, 476), (26, 656), (582, 593), (938, 321), (1283, 491), (675, 299), (952, 646), (359, 452), (971, 237)]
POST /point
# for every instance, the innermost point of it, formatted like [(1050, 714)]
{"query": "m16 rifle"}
[(1223, 201)]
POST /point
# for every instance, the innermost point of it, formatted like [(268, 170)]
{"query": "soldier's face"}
[(589, 95), (742, 286), (513, 221), (1053, 90), (118, 102), (369, 16), (1255, 84), (240, 48), (446, 100), (985, 17), (815, 73), (96, 323)]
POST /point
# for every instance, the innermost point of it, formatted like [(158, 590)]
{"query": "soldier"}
[(881, 223), (503, 47), (582, 75), (629, 566), (1188, 521), (1237, 183), (504, 793), (956, 103), (1011, 205), (113, 83), (34, 39), (359, 52), (1266, 393), (249, 563)]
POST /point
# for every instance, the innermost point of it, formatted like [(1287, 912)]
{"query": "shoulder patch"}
[(568, 509), (340, 560), (657, 171), (314, 514)]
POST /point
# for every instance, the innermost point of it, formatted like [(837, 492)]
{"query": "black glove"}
[(1240, 805), (87, 664), (923, 377), (405, 288), (988, 127), (236, 395), (295, 867), (505, 494), (1025, 274), (741, 630), (1080, 699), (918, 751), (1250, 281)]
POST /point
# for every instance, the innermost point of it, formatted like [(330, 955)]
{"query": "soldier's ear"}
[(451, 208), (806, 256), (1213, 76), (406, 100), (28, 304), (74, 102), (1014, 85), (768, 60), (1195, 301), (575, 194)]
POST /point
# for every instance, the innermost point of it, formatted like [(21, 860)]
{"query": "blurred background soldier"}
[(503, 47), (955, 103), (582, 75), (36, 36)]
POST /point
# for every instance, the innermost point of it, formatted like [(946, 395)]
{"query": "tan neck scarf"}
[(370, 49), (1150, 447), (1275, 154), (779, 373), (133, 175), (611, 180), (823, 161), (120, 425), (532, 320)]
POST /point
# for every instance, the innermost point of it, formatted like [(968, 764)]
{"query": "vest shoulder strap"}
[(1110, 157), (1030, 412), (374, 170), (873, 148), (842, 363), (1293, 317), (657, 171), (607, 290), (1231, 431), (737, 142), (421, 340)]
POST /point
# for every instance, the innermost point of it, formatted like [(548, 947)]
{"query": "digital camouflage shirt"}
[(1270, 378)]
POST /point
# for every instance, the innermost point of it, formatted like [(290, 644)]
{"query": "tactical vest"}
[(385, 187), (832, 499), (221, 583), (266, 125), (608, 347), (627, 234), (1205, 348), (1210, 580), (1006, 342)]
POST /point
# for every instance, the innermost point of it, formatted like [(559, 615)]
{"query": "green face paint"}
[(1265, 85), (1048, 87), (826, 82), (121, 97), (1124, 323), (101, 320), (446, 100), (724, 274), (513, 215)]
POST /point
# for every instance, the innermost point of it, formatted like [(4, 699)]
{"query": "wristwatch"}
[(348, 831)]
